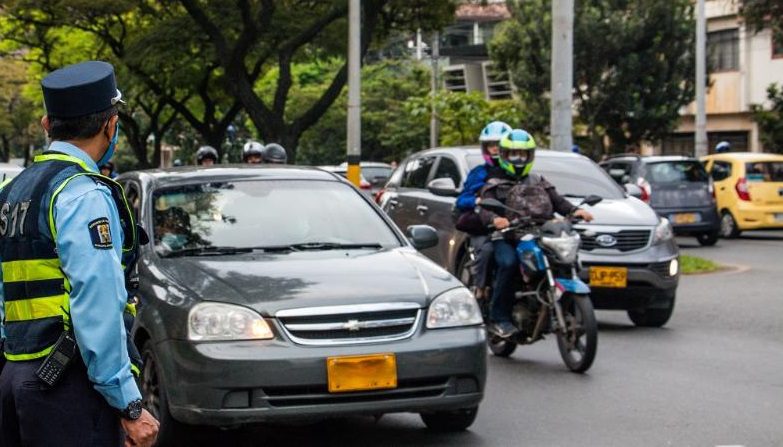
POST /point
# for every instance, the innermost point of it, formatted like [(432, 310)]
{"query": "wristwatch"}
[(133, 410)]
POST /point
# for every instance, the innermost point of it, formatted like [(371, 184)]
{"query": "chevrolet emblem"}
[(352, 325)]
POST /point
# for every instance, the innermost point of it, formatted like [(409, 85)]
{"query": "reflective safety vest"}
[(36, 290)]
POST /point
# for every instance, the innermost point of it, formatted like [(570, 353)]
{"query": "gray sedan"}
[(284, 293)]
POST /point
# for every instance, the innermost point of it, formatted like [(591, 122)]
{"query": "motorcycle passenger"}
[(466, 202), (512, 184), (252, 152), (206, 156), (275, 154)]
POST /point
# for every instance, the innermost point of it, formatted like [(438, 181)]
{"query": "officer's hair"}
[(80, 128)]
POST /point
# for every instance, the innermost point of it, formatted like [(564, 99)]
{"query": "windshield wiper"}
[(334, 246), (207, 251)]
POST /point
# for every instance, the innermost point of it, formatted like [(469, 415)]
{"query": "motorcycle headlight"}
[(663, 231), (220, 321), (566, 247), (456, 307)]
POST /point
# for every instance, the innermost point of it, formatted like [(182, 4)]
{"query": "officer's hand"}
[(141, 432), (584, 214), (500, 223)]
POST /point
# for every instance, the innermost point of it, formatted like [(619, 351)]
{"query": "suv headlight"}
[(566, 247), (220, 321), (456, 307), (663, 231)]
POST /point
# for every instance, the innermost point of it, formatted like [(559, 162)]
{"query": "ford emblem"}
[(606, 240)]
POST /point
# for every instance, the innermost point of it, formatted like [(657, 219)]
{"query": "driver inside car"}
[(172, 228), (511, 183)]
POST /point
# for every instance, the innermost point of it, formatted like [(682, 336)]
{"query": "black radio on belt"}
[(54, 365)]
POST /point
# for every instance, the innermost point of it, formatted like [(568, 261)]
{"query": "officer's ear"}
[(45, 123)]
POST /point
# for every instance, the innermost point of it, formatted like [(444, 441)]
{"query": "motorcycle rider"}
[(206, 156), (252, 152), (722, 147), (512, 184), (489, 138), (275, 154)]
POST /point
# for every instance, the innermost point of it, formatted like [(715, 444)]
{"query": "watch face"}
[(134, 410)]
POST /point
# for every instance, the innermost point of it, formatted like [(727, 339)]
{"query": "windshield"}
[(675, 172), (376, 173), (764, 171), (265, 214), (577, 177)]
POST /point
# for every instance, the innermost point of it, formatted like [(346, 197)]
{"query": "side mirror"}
[(592, 200), (144, 238), (633, 190), (617, 174), (493, 205), (443, 187), (422, 236)]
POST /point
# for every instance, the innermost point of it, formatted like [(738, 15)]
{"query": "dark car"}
[(676, 187), (628, 252), (277, 293)]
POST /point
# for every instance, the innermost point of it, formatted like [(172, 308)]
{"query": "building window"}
[(777, 44), (684, 143), (723, 50)]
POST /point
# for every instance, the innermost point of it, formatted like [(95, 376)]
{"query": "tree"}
[(760, 14), (633, 65), (770, 120), (17, 112)]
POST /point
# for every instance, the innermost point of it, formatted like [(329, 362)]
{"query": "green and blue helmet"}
[(517, 152)]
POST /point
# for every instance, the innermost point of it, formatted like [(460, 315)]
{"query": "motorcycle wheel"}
[(579, 344), (499, 346)]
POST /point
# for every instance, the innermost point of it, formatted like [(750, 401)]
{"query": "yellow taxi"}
[(748, 190)]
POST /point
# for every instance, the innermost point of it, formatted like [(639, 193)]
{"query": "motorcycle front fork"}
[(554, 297)]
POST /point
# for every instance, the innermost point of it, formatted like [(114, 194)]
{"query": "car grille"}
[(627, 240), (364, 323)]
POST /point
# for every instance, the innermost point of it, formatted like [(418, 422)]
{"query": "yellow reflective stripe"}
[(5, 182), (31, 356), (130, 308), (63, 157), (36, 308), (135, 370), (32, 270)]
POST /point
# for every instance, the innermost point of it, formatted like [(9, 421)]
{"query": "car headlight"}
[(663, 231), (456, 307), (220, 321), (674, 267), (566, 247)]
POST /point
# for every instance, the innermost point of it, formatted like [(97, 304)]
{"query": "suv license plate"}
[(361, 372), (609, 277)]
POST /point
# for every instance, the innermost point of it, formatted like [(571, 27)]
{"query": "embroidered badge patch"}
[(100, 233)]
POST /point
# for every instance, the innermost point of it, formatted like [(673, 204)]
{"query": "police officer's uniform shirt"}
[(93, 266)]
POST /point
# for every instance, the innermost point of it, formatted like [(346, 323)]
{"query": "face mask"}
[(112, 145)]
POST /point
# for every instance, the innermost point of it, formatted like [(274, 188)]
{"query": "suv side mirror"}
[(633, 190), (422, 236), (443, 187)]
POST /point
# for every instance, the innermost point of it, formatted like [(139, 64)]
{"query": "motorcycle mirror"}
[(592, 200), (493, 205)]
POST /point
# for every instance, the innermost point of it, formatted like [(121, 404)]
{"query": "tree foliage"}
[(760, 14), (18, 127), (770, 120), (633, 65)]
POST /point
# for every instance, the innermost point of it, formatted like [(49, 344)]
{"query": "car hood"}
[(621, 212), (272, 282)]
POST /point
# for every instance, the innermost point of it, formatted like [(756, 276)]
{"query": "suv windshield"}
[(668, 172), (764, 171), (577, 177), (244, 215)]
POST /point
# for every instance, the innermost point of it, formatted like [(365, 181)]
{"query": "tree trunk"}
[(6, 149)]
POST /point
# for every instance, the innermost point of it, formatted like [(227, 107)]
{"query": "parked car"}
[(676, 187), (628, 252), (9, 171), (749, 190), (276, 293)]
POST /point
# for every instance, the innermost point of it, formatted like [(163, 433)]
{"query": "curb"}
[(726, 269)]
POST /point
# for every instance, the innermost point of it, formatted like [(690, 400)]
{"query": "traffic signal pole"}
[(354, 123)]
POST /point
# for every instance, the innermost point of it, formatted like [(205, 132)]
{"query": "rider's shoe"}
[(503, 329)]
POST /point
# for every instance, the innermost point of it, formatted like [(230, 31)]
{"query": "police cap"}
[(81, 89)]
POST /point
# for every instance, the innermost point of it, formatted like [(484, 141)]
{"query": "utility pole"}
[(561, 119), (701, 74), (434, 122), (354, 140)]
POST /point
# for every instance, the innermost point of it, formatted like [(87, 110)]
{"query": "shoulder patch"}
[(100, 233)]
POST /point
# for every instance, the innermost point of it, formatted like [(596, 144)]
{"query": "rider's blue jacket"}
[(475, 181)]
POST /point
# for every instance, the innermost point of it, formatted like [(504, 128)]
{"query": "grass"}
[(690, 265)]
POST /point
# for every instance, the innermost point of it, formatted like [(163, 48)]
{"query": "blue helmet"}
[(723, 146), (494, 131)]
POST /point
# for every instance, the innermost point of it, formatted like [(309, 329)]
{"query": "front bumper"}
[(245, 382), (709, 221)]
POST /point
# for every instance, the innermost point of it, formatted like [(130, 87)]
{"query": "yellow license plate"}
[(361, 372), (685, 218), (609, 276)]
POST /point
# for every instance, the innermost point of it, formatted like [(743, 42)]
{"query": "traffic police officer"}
[(65, 234)]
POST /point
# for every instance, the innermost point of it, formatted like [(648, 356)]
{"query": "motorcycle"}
[(550, 297)]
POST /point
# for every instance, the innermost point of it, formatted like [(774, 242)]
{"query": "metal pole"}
[(560, 119), (434, 121), (418, 44), (354, 124), (701, 74)]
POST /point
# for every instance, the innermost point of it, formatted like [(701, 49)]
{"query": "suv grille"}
[(626, 240), (364, 323)]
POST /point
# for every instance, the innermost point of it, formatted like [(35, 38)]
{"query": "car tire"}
[(708, 239), (172, 432), (652, 317), (450, 421), (728, 226)]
